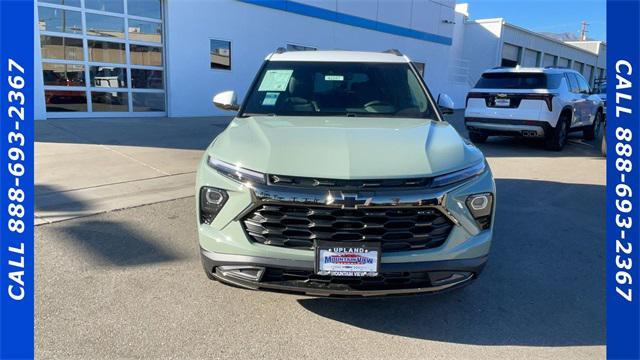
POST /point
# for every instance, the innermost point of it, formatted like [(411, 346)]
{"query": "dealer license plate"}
[(350, 259), (503, 102)]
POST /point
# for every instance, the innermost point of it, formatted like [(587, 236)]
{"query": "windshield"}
[(338, 89), (513, 80)]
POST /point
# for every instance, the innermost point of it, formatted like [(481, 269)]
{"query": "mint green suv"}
[(338, 176)]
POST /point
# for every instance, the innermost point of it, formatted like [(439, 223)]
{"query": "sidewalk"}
[(90, 166)]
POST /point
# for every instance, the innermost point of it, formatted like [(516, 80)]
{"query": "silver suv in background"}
[(547, 103)]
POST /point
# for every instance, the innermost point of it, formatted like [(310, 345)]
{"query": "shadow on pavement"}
[(544, 284), (171, 133), (112, 243), (63, 200)]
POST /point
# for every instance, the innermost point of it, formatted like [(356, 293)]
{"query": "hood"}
[(344, 147)]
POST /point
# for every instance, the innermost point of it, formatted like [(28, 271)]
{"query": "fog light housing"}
[(480, 206), (211, 202)]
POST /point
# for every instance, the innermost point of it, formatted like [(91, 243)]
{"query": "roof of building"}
[(338, 56), (570, 44)]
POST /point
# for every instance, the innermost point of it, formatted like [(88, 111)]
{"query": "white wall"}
[(520, 37), (482, 47), (255, 31), (484, 40)]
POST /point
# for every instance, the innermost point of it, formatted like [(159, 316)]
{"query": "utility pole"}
[(583, 31)]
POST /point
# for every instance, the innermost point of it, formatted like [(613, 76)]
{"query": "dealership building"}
[(123, 58)]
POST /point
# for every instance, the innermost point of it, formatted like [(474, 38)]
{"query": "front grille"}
[(387, 280), (398, 229)]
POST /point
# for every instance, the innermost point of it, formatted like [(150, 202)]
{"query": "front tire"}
[(557, 139), (477, 137), (592, 131), (603, 142)]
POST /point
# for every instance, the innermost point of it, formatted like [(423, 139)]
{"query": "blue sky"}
[(545, 15)]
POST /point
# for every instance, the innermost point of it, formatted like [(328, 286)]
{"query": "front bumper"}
[(259, 273), (225, 242), (512, 127)]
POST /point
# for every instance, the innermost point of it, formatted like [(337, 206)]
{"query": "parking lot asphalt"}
[(129, 284)]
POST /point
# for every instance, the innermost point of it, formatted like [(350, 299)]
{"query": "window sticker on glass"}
[(334, 78), (270, 98), (275, 80)]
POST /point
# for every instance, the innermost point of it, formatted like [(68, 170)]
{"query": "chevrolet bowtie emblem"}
[(348, 200)]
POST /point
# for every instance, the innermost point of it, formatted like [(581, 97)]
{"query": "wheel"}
[(603, 143), (557, 139), (477, 137), (592, 131)]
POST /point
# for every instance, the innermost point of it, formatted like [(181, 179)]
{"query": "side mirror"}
[(445, 104), (226, 100)]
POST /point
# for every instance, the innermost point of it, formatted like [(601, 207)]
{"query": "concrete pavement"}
[(89, 166), (129, 284)]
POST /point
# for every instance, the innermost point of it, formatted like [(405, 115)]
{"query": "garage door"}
[(588, 74), (563, 62), (549, 60), (510, 55), (530, 58), (102, 57)]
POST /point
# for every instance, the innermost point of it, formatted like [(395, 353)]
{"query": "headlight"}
[(480, 206), (460, 175), (236, 172), (211, 202)]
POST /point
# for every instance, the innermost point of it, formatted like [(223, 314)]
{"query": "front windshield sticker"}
[(275, 80), (270, 98), (333, 78)]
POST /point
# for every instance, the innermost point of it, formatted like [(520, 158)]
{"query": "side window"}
[(573, 83), (584, 86)]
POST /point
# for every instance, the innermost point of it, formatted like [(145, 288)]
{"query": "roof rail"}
[(394, 52), (557, 67), (281, 50)]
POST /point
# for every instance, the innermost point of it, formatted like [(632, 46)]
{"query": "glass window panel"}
[(145, 31), (62, 2), (146, 55), (148, 101), (63, 74), (56, 47), (108, 77), (146, 79), (109, 101), (50, 19), (146, 8), (116, 6), (220, 54), (103, 51), (62, 100), (101, 25)]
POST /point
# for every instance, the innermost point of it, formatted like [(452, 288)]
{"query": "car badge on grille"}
[(501, 95), (348, 200)]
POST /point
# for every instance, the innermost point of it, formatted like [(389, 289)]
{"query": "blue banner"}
[(623, 183), (16, 179)]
